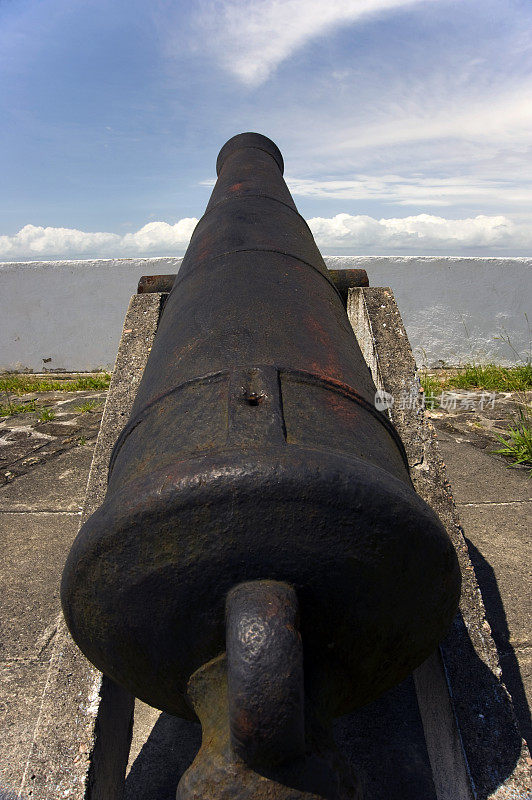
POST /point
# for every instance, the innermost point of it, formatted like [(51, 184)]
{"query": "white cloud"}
[(414, 113), (34, 241), (503, 115), (250, 38), (160, 236), (416, 190), (480, 135), (463, 150), (38, 241), (420, 233), (423, 233)]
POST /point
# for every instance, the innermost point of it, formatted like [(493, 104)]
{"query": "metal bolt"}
[(254, 398)]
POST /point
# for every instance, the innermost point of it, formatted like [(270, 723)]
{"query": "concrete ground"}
[(494, 502), (44, 468), (43, 474)]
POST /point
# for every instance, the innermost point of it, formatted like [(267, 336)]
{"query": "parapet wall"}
[(67, 315)]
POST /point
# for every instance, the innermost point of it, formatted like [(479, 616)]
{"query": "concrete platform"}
[(495, 507), (45, 470), (33, 546), (67, 732)]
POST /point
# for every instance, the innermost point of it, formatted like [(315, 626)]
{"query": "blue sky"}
[(405, 126)]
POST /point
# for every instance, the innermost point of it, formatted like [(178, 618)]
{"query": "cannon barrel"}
[(255, 454)]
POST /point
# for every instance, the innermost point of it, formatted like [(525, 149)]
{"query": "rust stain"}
[(342, 407)]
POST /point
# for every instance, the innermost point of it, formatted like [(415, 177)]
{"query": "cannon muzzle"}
[(255, 456)]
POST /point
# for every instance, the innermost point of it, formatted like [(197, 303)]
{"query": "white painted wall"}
[(68, 311), (71, 312), (455, 309)]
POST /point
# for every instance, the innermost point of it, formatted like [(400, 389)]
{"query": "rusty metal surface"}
[(265, 673), (218, 773), (343, 279), (155, 283), (254, 451)]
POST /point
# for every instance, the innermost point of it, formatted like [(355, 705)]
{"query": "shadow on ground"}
[(169, 750), (496, 615)]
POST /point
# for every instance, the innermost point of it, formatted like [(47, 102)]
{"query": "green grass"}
[(518, 445), (87, 407), (432, 389), (23, 384), (17, 385), (10, 409), (492, 378), (46, 415)]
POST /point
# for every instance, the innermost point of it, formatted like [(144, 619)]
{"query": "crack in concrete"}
[(39, 511), (497, 503)]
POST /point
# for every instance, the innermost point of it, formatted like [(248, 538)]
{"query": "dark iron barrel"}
[(254, 451)]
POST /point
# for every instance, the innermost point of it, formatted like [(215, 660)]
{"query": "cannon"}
[(261, 559)]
